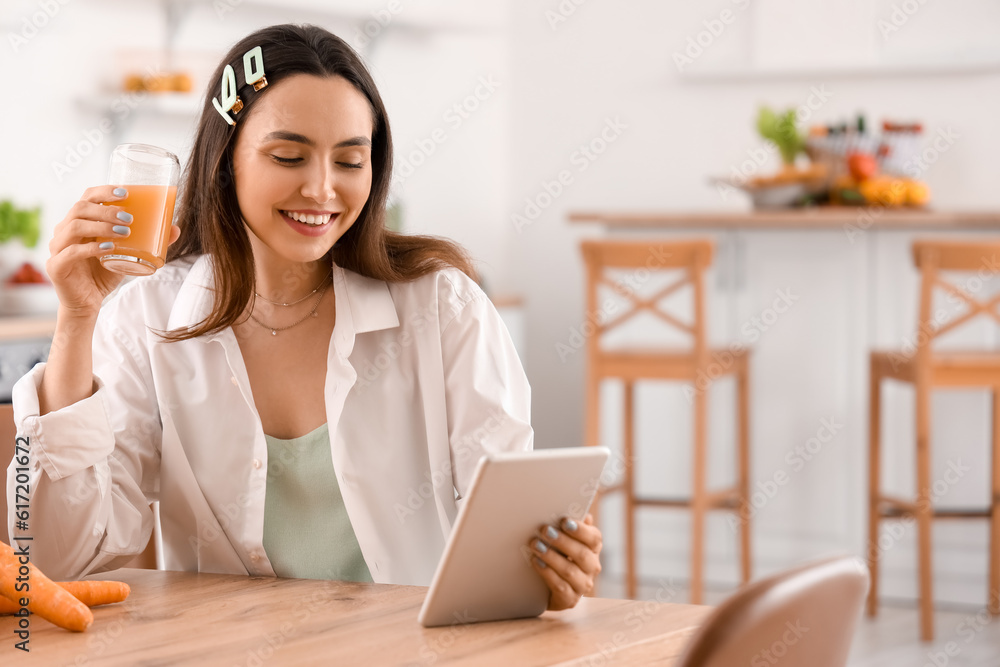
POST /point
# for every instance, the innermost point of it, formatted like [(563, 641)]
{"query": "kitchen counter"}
[(34, 326), (833, 217)]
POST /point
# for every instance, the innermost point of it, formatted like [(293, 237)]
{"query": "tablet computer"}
[(485, 573)]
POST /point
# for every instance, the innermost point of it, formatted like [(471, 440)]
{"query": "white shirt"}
[(422, 379)]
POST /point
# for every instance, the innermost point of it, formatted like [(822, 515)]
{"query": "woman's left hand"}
[(568, 558)]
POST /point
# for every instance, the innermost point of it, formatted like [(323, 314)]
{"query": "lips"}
[(300, 222)]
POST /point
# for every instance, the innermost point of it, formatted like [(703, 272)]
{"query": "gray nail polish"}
[(571, 525), (541, 563), (124, 216), (107, 245), (120, 229), (551, 532), (119, 192), (540, 547)]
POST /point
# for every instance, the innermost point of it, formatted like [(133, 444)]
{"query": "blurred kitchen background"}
[(510, 117)]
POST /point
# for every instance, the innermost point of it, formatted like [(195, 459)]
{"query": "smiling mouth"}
[(310, 218)]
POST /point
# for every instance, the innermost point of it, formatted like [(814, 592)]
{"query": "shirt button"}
[(254, 557), (235, 382), (256, 463)]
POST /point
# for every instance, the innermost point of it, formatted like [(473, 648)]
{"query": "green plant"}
[(24, 224), (781, 130)]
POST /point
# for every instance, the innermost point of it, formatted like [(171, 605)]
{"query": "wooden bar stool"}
[(695, 364), (926, 370)]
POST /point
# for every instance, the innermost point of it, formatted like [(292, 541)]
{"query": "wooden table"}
[(180, 618)]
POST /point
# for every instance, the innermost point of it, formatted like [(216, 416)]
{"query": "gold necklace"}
[(312, 313), (275, 303)]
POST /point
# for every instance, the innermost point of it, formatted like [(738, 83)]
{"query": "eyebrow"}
[(283, 135)]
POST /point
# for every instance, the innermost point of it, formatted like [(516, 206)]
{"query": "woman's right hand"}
[(81, 283)]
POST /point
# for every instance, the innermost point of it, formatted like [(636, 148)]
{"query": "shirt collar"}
[(363, 304)]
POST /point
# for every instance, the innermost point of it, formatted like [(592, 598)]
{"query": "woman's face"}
[(302, 164)]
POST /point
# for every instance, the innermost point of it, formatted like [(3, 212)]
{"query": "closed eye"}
[(286, 160), (352, 165)]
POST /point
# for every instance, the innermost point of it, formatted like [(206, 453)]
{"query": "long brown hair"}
[(208, 210)]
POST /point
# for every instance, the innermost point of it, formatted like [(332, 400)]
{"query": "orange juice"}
[(145, 248)]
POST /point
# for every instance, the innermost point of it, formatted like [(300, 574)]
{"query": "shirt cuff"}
[(65, 441)]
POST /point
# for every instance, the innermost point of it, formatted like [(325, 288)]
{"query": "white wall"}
[(63, 81)]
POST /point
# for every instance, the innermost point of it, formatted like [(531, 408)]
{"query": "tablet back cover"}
[(485, 573)]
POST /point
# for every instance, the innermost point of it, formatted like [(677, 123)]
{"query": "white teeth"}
[(309, 218)]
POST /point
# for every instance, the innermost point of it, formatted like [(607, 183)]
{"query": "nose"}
[(319, 184)]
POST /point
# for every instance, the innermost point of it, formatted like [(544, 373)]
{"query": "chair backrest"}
[(933, 256), (806, 616), (693, 256)]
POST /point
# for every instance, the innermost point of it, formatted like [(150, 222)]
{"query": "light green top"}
[(307, 533)]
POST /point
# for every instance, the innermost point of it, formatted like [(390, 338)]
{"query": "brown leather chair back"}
[(806, 616)]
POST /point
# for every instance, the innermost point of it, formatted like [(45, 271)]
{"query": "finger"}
[(84, 230), (75, 253), (104, 193), (585, 556), (561, 593), (175, 233), (585, 532), (570, 572)]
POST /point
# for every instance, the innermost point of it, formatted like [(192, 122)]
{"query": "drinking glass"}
[(150, 176)]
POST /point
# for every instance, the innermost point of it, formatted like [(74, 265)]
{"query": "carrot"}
[(48, 600), (90, 593)]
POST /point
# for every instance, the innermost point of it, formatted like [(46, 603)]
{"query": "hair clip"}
[(253, 74)]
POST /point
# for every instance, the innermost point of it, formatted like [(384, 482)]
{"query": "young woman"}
[(305, 392)]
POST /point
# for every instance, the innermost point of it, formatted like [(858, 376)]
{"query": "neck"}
[(285, 281)]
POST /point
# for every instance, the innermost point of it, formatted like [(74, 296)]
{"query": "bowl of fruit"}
[(27, 292), (864, 185)]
